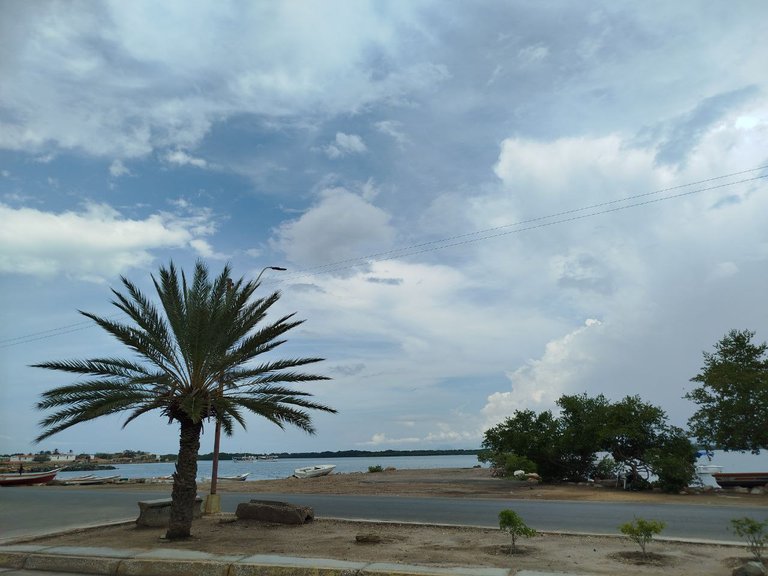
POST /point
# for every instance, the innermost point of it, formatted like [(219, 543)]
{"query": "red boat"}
[(28, 478), (745, 479)]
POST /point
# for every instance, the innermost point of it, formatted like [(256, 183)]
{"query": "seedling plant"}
[(511, 523), (642, 531)]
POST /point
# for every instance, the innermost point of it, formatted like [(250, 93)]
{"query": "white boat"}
[(90, 480), (236, 478), (252, 458), (314, 471), (705, 476)]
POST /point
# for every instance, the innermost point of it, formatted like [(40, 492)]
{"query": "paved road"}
[(27, 510)]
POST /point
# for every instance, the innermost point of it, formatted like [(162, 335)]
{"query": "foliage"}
[(373, 469), (582, 428), (733, 396), (632, 428), (513, 462), (194, 360), (41, 458), (634, 433), (642, 531), (525, 434), (754, 532), (606, 468), (511, 522), (673, 460)]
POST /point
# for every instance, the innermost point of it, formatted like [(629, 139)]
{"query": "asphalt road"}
[(29, 510)]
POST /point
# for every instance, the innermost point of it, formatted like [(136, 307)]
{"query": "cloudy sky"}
[(481, 205)]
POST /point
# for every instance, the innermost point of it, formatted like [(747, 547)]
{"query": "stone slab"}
[(76, 564)]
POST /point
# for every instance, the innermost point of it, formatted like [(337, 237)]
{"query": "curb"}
[(170, 562)]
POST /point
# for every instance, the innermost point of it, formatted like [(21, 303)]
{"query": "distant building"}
[(53, 456)]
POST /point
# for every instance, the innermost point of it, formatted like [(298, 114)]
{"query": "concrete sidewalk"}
[(21, 558)]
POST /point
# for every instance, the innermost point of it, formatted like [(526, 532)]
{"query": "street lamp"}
[(213, 501)]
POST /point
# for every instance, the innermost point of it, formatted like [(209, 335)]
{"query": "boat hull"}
[(89, 481), (28, 479), (743, 479), (314, 471)]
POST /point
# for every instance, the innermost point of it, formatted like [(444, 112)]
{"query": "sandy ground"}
[(437, 545)]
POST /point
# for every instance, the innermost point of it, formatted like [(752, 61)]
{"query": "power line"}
[(498, 231), (396, 251), (459, 240)]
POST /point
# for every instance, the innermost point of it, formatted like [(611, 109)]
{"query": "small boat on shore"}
[(90, 480), (28, 478), (236, 478), (314, 471), (743, 479)]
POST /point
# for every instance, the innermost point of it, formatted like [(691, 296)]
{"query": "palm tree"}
[(193, 363)]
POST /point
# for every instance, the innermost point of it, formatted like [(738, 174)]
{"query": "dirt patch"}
[(457, 483), (421, 545)]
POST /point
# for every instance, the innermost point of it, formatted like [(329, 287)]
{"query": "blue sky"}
[(422, 169)]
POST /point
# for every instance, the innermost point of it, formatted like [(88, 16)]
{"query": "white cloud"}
[(344, 145), (117, 169), (95, 243), (181, 158), (341, 225), (381, 439), (205, 250), (160, 77), (394, 129), (539, 383), (533, 54)]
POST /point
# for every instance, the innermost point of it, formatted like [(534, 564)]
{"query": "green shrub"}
[(642, 531), (673, 462), (510, 522), (514, 462), (754, 532), (607, 468), (376, 468)]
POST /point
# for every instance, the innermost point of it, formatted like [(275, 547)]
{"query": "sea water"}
[(284, 467)]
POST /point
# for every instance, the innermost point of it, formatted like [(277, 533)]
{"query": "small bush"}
[(510, 522), (376, 468), (642, 531), (754, 532), (513, 462), (607, 468)]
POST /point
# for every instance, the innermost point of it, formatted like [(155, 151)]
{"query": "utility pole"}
[(213, 500)]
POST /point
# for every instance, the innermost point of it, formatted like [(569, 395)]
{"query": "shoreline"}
[(450, 483)]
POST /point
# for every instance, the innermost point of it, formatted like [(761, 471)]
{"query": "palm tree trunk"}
[(185, 481)]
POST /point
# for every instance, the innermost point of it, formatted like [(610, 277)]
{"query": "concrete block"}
[(76, 564), (13, 560), (150, 567), (157, 513)]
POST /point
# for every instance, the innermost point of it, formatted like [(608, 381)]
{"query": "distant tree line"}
[(352, 454)]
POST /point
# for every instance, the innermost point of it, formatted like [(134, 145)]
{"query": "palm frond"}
[(115, 367), (278, 413)]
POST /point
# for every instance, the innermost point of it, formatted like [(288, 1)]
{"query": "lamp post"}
[(213, 500)]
